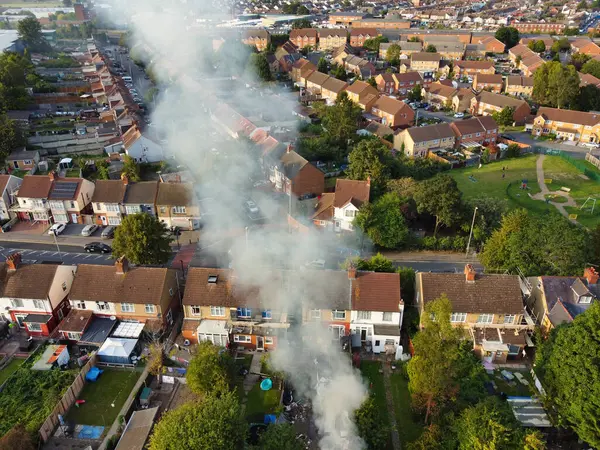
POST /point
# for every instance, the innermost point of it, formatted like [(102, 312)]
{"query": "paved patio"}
[(29, 228)]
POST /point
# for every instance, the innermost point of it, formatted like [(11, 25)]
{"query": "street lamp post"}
[(57, 247), (471, 232)]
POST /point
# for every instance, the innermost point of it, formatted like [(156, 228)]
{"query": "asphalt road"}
[(38, 253)]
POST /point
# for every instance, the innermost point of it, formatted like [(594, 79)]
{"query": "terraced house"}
[(486, 103), (392, 112), (257, 38), (304, 37), (330, 39), (358, 36), (417, 141), (576, 126), (518, 86)]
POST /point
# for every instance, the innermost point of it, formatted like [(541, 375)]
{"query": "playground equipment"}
[(593, 201)]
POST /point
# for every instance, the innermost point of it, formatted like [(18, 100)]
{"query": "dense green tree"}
[(582, 5), (548, 245), (338, 71), (259, 65), (556, 85), (537, 46), (589, 98), (300, 23), (279, 436), (592, 67), (567, 365), (407, 283), (487, 219), (403, 187), (508, 35), (579, 59), (30, 31), (433, 437), (370, 159), (131, 169), (415, 94), (207, 372), (392, 55), (373, 44), (372, 82), (323, 66), (142, 239), (504, 117), (11, 137), (376, 263), (430, 48), (213, 423), (414, 39), (370, 423), (571, 31), (534, 440), (440, 197), (490, 424), (560, 45), (595, 245), (18, 438), (341, 120), (295, 8), (384, 222)]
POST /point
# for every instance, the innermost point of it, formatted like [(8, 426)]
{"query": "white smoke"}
[(266, 260)]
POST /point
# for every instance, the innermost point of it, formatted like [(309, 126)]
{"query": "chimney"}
[(52, 175), (177, 178), (125, 179), (591, 275), (122, 265), (369, 180), (470, 273), (12, 261), (352, 272), (289, 148)]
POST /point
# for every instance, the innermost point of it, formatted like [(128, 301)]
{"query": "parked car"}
[(88, 230), (591, 144), (459, 115), (108, 232), (97, 247), (251, 206), (57, 228)]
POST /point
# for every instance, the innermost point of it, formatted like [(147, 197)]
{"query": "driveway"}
[(74, 229)]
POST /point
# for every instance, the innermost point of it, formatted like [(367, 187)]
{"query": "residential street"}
[(39, 253)]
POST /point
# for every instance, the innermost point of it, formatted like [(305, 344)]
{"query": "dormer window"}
[(212, 279), (585, 299)]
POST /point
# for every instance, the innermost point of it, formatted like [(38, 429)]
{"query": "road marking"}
[(98, 257), (87, 256), (43, 253)]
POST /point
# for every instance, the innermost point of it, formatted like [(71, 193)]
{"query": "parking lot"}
[(43, 253)]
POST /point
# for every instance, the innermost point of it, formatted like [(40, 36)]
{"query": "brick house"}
[(70, 199), (358, 36), (177, 205), (332, 38), (576, 126), (439, 94), (492, 45), (539, 27), (491, 83), (385, 83), (486, 103), (257, 38), (393, 113), (518, 86), (332, 88), (417, 141), (9, 185), (480, 130), (406, 82), (292, 174), (362, 94), (472, 68), (107, 202), (304, 37), (425, 63), (337, 210)]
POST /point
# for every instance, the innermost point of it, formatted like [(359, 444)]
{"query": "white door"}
[(74, 218), (103, 218)]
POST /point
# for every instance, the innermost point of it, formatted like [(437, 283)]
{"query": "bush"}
[(459, 244), (445, 243), (429, 243)]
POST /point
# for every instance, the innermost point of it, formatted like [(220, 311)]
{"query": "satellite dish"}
[(113, 317)]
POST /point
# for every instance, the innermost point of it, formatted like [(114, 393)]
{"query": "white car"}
[(459, 115), (88, 230), (591, 144), (251, 207), (57, 228)]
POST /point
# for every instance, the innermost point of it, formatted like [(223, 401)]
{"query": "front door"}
[(74, 218), (16, 163), (260, 343), (103, 219), (363, 334)]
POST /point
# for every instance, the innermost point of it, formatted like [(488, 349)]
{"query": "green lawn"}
[(10, 369), (585, 217), (489, 181), (259, 403), (518, 390), (410, 426), (565, 174), (370, 372), (112, 387)]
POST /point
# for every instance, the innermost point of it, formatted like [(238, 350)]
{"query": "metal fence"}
[(578, 163)]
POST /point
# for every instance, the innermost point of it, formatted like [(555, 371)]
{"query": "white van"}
[(127, 78)]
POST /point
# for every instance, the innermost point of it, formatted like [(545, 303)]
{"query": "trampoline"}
[(266, 384), (90, 432)]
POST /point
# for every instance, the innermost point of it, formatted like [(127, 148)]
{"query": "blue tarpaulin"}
[(93, 374), (270, 418)]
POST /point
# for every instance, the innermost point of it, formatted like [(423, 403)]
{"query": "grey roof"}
[(142, 193), (37, 318), (20, 154), (562, 297), (386, 330), (97, 331)]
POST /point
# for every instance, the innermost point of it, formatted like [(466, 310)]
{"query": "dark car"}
[(97, 247)]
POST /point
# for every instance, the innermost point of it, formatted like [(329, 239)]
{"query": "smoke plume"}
[(178, 40)]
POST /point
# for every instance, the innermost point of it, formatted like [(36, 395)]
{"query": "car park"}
[(88, 230), (108, 232), (97, 247), (57, 228)]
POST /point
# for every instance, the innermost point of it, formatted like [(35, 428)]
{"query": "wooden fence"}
[(592, 160), (65, 403)]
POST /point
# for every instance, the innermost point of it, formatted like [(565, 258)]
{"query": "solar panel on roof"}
[(65, 190)]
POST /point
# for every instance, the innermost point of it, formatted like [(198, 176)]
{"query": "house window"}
[(266, 314), (217, 311), (27, 162), (364, 315), (458, 317), (509, 318), (585, 299), (133, 209), (377, 343), (387, 316), (16, 302), (127, 307), (80, 305), (101, 306), (72, 205), (114, 220), (337, 331), (73, 336), (61, 218), (163, 209), (97, 206), (350, 213), (170, 316), (338, 314), (178, 209), (150, 309), (113, 207), (244, 313), (34, 327), (315, 314), (38, 304), (196, 310), (269, 340), (171, 291), (241, 338), (485, 318)]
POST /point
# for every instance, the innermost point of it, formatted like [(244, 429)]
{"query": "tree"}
[(296, 8), (131, 169), (208, 370), (504, 117), (373, 44), (537, 46), (432, 438), (341, 120), (323, 66), (279, 436), (18, 438), (338, 71), (579, 59), (534, 440), (571, 31), (300, 23), (369, 159), (589, 98), (102, 167), (370, 423), (414, 39), (11, 137), (259, 66), (213, 423), (415, 94), (567, 367), (403, 187), (582, 5), (372, 82), (487, 219), (392, 55), (548, 245), (490, 424), (595, 245), (156, 360), (443, 369), (30, 31), (142, 239), (376, 263), (560, 45), (407, 283), (440, 197), (592, 67), (384, 222), (431, 49), (556, 85), (508, 35)]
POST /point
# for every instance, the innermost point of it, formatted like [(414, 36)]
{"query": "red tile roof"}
[(372, 291)]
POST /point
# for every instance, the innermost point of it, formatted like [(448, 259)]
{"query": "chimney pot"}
[(352, 272), (52, 175), (13, 260), (122, 264), (591, 275), (470, 273), (125, 178)]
